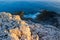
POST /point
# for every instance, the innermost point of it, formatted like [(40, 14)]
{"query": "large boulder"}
[(48, 17), (13, 28)]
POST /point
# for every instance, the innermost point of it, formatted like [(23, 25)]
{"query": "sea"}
[(31, 8)]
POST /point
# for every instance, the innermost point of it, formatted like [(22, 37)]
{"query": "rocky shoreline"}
[(12, 27)]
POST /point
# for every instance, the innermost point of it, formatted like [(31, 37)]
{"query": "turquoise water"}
[(30, 8)]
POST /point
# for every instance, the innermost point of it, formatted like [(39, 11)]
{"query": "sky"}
[(32, 0)]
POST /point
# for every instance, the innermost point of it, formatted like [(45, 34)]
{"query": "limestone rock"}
[(15, 34), (13, 28), (26, 32), (16, 17)]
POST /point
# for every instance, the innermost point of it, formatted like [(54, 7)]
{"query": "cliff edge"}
[(13, 28)]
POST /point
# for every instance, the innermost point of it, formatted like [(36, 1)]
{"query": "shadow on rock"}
[(49, 17)]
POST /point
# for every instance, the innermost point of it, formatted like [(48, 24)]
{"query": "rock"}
[(26, 32), (16, 29), (49, 17), (44, 31), (16, 17), (21, 14), (15, 34), (35, 37), (58, 19)]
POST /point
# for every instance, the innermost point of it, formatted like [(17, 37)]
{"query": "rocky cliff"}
[(13, 28)]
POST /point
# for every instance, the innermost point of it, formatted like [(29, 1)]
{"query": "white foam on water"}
[(33, 16)]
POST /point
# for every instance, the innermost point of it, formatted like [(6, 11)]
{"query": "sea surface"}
[(30, 8)]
